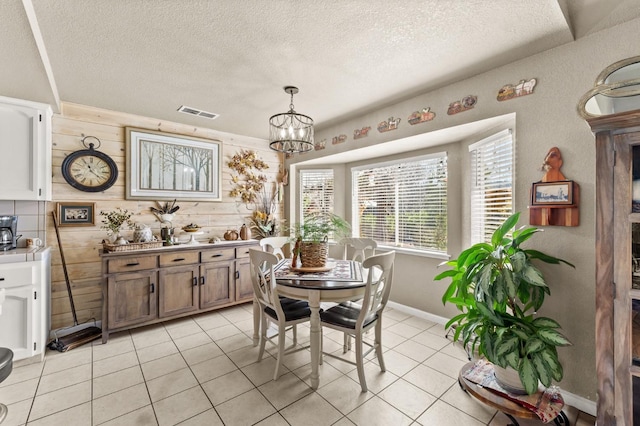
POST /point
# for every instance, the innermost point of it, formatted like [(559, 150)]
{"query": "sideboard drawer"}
[(243, 252), (179, 258), (132, 263), (215, 255)]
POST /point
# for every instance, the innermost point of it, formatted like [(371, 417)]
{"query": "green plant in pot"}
[(499, 290), (312, 238)]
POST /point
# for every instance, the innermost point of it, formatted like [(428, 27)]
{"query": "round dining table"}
[(316, 291)]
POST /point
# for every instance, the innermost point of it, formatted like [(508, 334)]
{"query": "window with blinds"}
[(316, 192), (492, 184), (403, 203)]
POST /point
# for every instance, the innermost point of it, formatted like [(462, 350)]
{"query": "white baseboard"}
[(582, 404), (418, 313)]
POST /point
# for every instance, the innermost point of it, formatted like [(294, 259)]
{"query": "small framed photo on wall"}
[(76, 214), (552, 193)]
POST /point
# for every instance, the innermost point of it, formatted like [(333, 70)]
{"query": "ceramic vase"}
[(245, 233)]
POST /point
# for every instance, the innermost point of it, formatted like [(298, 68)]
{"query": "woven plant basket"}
[(313, 254)]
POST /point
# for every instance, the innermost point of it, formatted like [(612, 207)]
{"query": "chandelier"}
[(290, 132)]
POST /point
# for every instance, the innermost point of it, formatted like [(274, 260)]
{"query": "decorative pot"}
[(142, 234), (509, 380), (245, 233), (313, 254), (231, 235)]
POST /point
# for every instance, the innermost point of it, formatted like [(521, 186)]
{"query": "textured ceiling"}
[(232, 57)]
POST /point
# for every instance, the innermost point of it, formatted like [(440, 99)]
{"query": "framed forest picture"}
[(165, 166)]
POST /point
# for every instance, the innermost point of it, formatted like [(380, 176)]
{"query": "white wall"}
[(544, 119)]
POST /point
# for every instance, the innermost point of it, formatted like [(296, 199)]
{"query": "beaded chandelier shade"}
[(290, 132)]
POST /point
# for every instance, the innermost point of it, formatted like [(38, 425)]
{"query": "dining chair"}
[(284, 313), (276, 245), (355, 319), (363, 248)]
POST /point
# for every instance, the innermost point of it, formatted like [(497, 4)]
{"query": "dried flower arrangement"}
[(165, 211), (264, 222), (166, 208), (247, 183)]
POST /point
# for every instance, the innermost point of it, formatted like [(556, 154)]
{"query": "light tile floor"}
[(202, 370)]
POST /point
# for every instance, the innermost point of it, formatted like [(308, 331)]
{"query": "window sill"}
[(414, 252)]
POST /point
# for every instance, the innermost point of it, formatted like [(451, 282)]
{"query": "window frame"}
[(302, 172), (475, 230), (355, 223)]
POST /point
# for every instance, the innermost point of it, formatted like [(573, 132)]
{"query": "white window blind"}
[(316, 192), (492, 184), (403, 204)]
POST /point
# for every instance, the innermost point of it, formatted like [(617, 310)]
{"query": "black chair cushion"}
[(345, 315), (6, 363), (293, 310), (286, 301)]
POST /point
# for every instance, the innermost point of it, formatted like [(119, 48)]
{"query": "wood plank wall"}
[(82, 243)]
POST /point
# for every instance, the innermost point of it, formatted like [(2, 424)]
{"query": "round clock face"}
[(89, 170)]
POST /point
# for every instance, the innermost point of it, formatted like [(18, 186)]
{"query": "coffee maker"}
[(8, 228)]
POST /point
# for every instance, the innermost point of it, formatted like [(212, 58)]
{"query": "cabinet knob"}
[(237, 275), (195, 281), (216, 255), (178, 259), (153, 288), (133, 264), (202, 280)]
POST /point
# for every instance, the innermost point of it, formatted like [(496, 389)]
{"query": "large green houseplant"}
[(499, 290), (311, 237)]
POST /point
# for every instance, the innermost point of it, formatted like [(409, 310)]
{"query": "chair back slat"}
[(276, 245), (264, 288), (362, 248), (378, 286)]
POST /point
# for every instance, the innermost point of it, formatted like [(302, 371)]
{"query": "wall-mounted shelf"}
[(557, 215)]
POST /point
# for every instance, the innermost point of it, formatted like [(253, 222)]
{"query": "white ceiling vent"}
[(198, 112)]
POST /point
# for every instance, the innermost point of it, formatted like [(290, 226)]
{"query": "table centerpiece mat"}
[(345, 270)]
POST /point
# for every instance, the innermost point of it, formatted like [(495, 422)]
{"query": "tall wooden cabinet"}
[(618, 268)]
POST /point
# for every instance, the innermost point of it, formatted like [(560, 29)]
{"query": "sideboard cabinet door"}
[(179, 286), (133, 298), (217, 286)]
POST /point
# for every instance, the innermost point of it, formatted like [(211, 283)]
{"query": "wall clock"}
[(89, 170)]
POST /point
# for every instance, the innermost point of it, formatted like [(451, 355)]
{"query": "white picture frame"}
[(165, 166)]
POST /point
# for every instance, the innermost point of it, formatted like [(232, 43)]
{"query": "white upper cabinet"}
[(25, 144)]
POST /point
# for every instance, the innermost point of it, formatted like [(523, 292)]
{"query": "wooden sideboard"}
[(149, 286)]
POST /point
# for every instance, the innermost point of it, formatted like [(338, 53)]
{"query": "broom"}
[(80, 337)]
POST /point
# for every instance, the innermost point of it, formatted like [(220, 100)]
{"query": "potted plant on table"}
[(499, 290), (114, 221), (312, 238)]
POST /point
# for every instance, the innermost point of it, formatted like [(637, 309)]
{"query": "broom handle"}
[(64, 268)]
